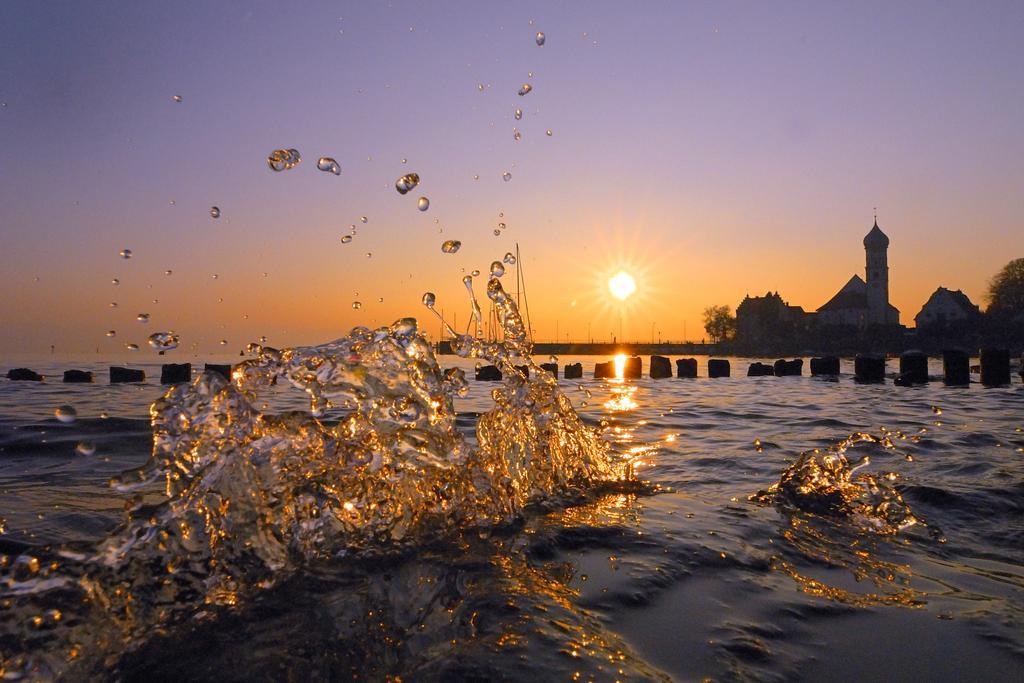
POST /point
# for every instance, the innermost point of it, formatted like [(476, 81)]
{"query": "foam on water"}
[(233, 500)]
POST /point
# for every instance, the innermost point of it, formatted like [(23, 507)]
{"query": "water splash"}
[(824, 482), (234, 500)]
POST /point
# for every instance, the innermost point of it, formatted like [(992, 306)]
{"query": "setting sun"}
[(622, 285)]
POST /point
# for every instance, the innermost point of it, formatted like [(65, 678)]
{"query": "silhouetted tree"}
[(1006, 292), (719, 323)]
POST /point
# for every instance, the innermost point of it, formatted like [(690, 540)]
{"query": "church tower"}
[(876, 245)]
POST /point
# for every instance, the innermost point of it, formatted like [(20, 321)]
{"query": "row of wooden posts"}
[(956, 368)]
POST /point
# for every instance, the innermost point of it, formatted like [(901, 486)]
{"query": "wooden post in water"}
[(956, 368), (828, 365), (686, 367), (869, 368), (175, 373), (573, 371), (913, 369), (661, 367), (718, 367), (122, 375), (76, 376), (995, 367)]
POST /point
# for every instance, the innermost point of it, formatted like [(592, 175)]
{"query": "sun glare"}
[(620, 365), (622, 285)]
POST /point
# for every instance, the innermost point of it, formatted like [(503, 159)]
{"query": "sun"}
[(622, 285)]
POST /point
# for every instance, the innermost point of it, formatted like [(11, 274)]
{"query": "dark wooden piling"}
[(827, 365), (488, 373), (789, 368), (24, 375), (222, 370), (175, 373), (995, 367), (122, 375), (550, 367), (573, 371), (758, 369), (632, 368), (869, 368), (686, 368), (661, 367), (604, 370), (956, 368), (718, 367), (78, 376), (913, 369)]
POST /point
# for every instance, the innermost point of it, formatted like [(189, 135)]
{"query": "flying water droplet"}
[(549, 132), (223, 342), (506, 176), (519, 114), (328, 165), (177, 98), (480, 87), (407, 182), (111, 333), (142, 317), (131, 347), (364, 219), (526, 87), (516, 135), (214, 212), (85, 448), (475, 272), (451, 246), (497, 270), (66, 414), (126, 253), (163, 341), (429, 299), (357, 305), (540, 38), (168, 272), (423, 204), (283, 159), (345, 239), (509, 258), (497, 232), (369, 254)]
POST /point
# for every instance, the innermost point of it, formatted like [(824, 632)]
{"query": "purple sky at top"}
[(712, 149)]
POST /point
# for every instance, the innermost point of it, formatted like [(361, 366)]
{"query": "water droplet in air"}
[(85, 448), (549, 132), (223, 342), (131, 347), (506, 176), (526, 87), (509, 258), (423, 204), (364, 219), (369, 254), (497, 270), (215, 276), (501, 226), (214, 212), (497, 232), (476, 177), (516, 135), (126, 253), (519, 114), (177, 98), (357, 305), (66, 414), (407, 182), (168, 272), (450, 246), (328, 165), (480, 87), (163, 341), (429, 299), (475, 272), (111, 333), (540, 38), (283, 159), (404, 160), (142, 317), (345, 239)]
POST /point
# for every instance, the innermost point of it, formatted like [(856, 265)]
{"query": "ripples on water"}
[(709, 573)]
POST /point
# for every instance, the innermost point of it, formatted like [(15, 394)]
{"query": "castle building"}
[(865, 302)]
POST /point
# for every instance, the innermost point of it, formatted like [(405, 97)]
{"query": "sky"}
[(712, 150)]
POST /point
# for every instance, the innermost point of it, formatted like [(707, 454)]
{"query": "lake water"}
[(689, 581)]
